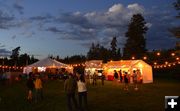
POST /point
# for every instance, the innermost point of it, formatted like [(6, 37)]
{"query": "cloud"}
[(2, 45), (96, 26), (4, 52), (159, 23), (45, 18), (5, 20), (136, 8), (13, 37), (101, 26), (54, 29), (114, 22), (28, 34), (17, 5)]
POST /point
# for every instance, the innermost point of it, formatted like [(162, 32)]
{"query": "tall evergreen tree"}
[(91, 54), (135, 44), (115, 52), (114, 48), (114, 44), (176, 30), (15, 55)]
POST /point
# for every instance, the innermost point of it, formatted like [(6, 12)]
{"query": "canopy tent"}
[(129, 66), (46, 63), (93, 65)]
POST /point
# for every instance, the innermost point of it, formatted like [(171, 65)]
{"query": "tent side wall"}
[(147, 74)]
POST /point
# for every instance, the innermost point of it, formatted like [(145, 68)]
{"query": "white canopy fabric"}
[(94, 64), (47, 62), (130, 65)]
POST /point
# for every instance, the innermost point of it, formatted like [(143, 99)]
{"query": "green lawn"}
[(110, 97)]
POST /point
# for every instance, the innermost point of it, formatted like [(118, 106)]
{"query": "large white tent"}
[(46, 63), (129, 66)]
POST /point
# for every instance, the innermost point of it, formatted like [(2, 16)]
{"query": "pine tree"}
[(115, 52), (135, 44)]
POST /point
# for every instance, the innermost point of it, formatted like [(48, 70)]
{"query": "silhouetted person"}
[(70, 86), (30, 86), (120, 76), (102, 79), (95, 78), (38, 88)]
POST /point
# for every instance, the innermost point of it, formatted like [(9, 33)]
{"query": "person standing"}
[(82, 92), (70, 86), (135, 79), (126, 80), (95, 78), (115, 76), (102, 78), (38, 88), (30, 86), (120, 76)]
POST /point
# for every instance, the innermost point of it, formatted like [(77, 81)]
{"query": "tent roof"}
[(93, 64), (124, 63), (48, 62)]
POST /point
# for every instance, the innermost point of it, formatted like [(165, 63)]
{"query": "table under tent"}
[(47, 65), (128, 66)]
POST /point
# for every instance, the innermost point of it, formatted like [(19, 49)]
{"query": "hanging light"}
[(133, 57), (177, 58), (145, 58), (158, 53), (172, 54)]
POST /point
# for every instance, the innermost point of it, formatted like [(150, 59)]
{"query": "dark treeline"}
[(21, 60)]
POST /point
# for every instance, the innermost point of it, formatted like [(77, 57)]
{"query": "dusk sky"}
[(68, 27)]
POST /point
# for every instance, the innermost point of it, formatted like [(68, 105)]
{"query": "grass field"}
[(110, 97)]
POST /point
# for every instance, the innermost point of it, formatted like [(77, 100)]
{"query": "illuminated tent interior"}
[(92, 66), (46, 64), (129, 66)]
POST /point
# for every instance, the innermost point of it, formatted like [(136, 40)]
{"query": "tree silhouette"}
[(15, 54), (176, 30), (115, 53), (135, 44)]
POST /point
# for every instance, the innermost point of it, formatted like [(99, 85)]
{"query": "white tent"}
[(93, 65), (129, 66), (46, 63)]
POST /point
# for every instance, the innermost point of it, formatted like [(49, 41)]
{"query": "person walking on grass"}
[(30, 86), (82, 92), (70, 86)]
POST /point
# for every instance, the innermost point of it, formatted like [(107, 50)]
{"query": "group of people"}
[(125, 78), (72, 83), (34, 84), (93, 78)]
